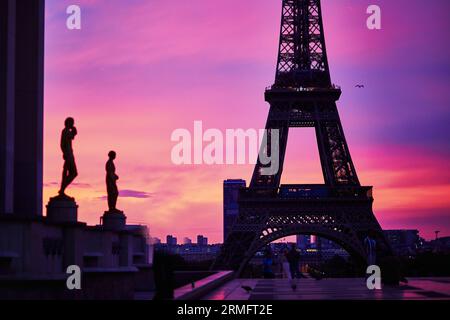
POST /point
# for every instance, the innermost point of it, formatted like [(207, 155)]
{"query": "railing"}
[(308, 191), (303, 89)]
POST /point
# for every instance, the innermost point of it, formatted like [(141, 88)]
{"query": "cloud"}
[(75, 184), (51, 184), (134, 194), (426, 220), (81, 185), (127, 193)]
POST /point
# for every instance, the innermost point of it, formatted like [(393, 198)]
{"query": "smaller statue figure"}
[(111, 182), (70, 169)]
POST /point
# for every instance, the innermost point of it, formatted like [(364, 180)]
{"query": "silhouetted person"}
[(286, 266), (370, 245), (70, 169), (293, 258), (111, 182), (267, 264)]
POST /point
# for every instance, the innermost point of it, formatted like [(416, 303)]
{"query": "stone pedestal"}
[(114, 220), (62, 209)]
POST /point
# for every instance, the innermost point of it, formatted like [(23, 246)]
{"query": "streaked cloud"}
[(131, 194)]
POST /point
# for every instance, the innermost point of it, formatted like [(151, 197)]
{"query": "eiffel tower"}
[(303, 96)]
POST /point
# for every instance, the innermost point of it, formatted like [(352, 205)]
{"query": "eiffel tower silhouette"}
[(303, 96)]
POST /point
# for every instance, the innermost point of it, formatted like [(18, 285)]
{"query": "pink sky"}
[(139, 69)]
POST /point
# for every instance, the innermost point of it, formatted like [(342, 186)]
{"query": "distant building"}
[(303, 241), (326, 244), (186, 240), (199, 253), (171, 240), (403, 242), (317, 249), (202, 241), (230, 203), (191, 251), (314, 242), (442, 244), (156, 240)]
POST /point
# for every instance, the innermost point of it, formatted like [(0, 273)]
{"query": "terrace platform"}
[(331, 289)]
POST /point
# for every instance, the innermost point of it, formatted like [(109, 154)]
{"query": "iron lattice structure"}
[(303, 96)]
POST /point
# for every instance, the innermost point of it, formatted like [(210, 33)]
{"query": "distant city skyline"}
[(296, 238), (128, 86)]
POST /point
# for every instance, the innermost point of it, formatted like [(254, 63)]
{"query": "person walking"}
[(267, 264), (294, 262), (370, 245), (293, 258), (286, 266)]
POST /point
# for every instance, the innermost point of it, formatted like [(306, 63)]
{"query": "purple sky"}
[(139, 69)]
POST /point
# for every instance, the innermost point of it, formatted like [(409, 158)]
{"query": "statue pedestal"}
[(62, 209), (114, 220)]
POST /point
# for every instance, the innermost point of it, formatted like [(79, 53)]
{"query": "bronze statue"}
[(111, 182), (70, 169)]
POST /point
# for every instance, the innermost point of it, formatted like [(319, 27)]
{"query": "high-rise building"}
[(230, 203), (186, 240), (202, 241), (171, 240)]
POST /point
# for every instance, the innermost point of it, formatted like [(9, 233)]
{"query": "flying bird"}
[(359, 86), (247, 288), (316, 274)]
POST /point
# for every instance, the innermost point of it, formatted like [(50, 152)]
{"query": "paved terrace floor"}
[(331, 289)]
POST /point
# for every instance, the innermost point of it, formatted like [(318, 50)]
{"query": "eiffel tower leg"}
[(337, 164), (272, 181), (245, 230)]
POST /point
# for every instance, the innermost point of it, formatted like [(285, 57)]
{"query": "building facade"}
[(115, 259), (404, 242), (21, 106), (202, 241), (171, 240), (230, 203)]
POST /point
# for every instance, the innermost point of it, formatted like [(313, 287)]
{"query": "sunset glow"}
[(138, 70)]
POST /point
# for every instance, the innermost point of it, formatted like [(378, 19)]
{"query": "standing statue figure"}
[(111, 182), (70, 169)]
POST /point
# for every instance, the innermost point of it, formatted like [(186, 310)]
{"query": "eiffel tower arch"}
[(303, 96)]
